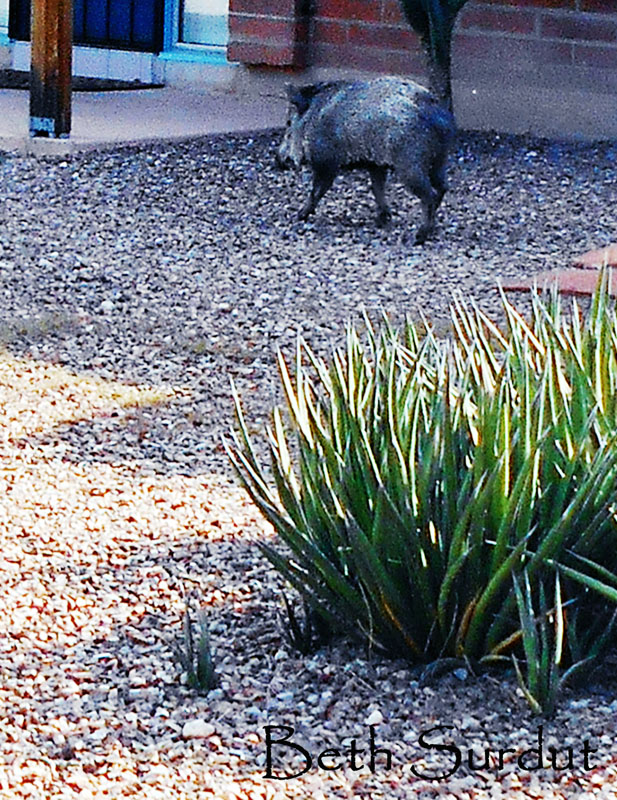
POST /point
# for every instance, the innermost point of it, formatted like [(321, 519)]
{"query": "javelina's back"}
[(376, 122)]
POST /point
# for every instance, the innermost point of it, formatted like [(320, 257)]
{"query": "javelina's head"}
[(290, 152), (291, 149), (302, 100)]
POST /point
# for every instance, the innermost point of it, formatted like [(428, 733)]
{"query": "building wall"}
[(574, 35), (544, 42), (516, 51), (268, 32)]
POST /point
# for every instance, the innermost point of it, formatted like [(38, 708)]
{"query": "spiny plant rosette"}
[(415, 477)]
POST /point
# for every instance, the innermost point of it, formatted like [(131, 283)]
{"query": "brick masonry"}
[(567, 43), (581, 279), (269, 32), (572, 41)]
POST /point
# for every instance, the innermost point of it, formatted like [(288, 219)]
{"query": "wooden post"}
[(51, 67)]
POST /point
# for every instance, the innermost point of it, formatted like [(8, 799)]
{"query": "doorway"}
[(4, 15)]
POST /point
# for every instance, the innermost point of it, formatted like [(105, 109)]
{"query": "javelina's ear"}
[(300, 96)]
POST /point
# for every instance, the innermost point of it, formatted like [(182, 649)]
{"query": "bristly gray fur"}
[(383, 125)]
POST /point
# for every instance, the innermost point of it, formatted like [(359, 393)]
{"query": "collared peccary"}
[(383, 125)]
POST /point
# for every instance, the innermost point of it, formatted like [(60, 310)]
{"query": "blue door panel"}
[(95, 22), (78, 19), (127, 24), (143, 19), (119, 20)]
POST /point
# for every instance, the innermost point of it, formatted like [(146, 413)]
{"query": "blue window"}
[(203, 22)]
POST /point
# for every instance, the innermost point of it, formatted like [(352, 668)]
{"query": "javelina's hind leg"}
[(378, 185), (421, 186), (322, 181), (438, 180), (428, 220)]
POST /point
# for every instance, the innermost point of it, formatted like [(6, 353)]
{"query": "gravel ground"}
[(135, 283)]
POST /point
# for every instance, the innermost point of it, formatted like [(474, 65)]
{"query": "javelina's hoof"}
[(422, 235), (383, 219)]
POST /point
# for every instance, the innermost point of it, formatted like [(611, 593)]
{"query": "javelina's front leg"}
[(322, 181), (378, 185), (438, 179)]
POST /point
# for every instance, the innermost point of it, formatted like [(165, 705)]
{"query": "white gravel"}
[(134, 284)]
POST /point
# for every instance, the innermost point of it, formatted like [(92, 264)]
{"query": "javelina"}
[(381, 125)]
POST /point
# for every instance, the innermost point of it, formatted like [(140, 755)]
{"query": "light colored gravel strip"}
[(135, 283)]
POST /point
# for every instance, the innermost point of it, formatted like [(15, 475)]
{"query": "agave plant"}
[(543, 648), (414, 477), (305, 634)]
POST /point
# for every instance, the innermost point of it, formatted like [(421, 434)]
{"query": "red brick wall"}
[(272, 32), (576, 39), (531, 39), (363, 34)]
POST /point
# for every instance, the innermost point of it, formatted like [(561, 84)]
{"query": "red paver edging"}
[(568, 281), (581, 279), (595, 259)]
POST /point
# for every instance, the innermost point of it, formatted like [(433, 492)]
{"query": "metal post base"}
[(45, 127)]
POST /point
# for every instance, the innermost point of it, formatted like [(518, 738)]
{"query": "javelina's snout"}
[(282, 161), (286, 155)]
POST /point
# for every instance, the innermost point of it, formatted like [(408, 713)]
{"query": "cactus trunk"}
[(433, 21)]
